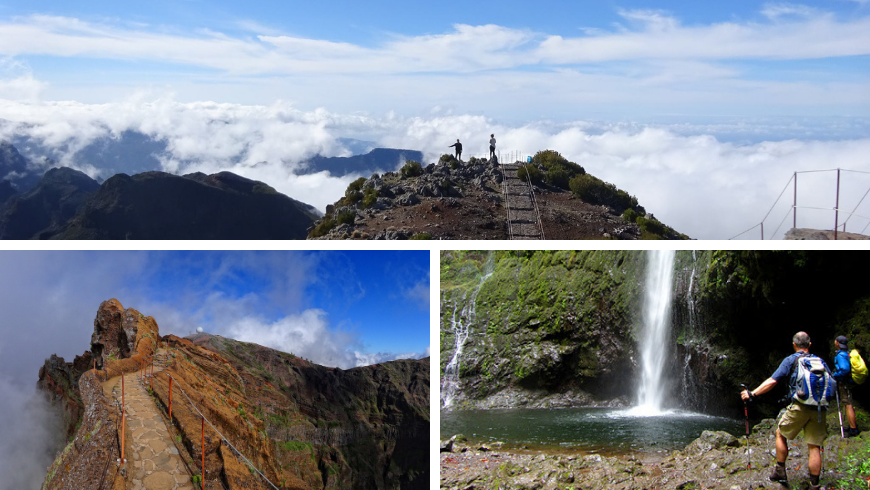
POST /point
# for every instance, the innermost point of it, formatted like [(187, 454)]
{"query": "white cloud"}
[(30, 434), (777, 10), (685, 175), (465, 48), (309, 335), (418, 294)]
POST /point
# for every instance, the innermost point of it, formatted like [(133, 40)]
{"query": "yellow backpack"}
[(859, 368)]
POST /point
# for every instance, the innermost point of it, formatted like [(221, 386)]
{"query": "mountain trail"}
[(522, 213), (154, 461)]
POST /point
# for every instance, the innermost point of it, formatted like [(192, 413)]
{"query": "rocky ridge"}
[(453, 200), (302, 425)]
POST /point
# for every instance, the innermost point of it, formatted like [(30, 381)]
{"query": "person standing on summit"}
[(491, 146), (458, 147)]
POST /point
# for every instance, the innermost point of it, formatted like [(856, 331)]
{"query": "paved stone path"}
[(522, 216), (154, 463)]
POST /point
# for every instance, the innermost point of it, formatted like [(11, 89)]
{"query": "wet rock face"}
[(548, 329)]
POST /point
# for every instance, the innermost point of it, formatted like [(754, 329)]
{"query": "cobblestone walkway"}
[(154, 463)]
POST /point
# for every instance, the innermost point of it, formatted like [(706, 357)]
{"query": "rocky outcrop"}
[(452, 200), (122, 338), (59, 381)]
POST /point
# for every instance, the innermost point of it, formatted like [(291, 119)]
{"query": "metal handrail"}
[(794, 207)]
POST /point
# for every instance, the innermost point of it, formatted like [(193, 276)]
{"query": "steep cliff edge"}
[(301, 425)]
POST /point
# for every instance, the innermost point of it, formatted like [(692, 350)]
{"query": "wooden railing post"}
[(170, 399)]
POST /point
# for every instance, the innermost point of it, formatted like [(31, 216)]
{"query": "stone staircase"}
[(524, 220)]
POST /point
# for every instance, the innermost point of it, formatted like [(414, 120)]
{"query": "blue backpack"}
[(811, 383)]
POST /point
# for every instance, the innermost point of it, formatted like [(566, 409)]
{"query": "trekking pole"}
[(842, 432), (748, 449)]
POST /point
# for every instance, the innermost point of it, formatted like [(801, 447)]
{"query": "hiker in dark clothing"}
[(797, 417), (843, 374), (491, 146), (458, 147)]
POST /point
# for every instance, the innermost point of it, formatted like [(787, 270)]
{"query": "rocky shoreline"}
[(715, 460)]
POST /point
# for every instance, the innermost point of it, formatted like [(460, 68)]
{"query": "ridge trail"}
[(524, 221), (154, 462)]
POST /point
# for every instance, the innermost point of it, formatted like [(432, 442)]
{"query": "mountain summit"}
[(548, 197)]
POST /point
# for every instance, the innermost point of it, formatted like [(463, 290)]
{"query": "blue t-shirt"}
[(783, 372)]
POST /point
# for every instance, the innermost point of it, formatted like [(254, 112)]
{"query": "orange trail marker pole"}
[(123, 421), (203, 453), (170, 400)]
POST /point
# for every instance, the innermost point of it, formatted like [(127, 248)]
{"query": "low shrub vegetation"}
[(411, 169), (529, 171), (557, 170), (595, 191)]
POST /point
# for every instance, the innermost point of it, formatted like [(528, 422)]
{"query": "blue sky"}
[(334, 308), (610, 59)]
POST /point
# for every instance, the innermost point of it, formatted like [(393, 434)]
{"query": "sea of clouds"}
[(710, 179)]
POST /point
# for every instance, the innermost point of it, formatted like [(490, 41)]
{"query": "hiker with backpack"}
[(458, 147), (811, 387), (843, 375)]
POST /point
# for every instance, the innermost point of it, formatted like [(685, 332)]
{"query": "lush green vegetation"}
[(856, 470)]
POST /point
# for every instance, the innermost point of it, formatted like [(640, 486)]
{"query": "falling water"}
[(655, 338), (461, 324)]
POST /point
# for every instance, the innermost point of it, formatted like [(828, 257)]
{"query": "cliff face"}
[(89, 460), (560, 328), (542, 324), (302, 425), (365, 427)]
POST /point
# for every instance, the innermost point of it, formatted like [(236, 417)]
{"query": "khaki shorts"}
[(797, 417), (845, 393)]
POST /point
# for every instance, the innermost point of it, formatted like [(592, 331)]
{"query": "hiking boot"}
[(778, 474), (854, 432)]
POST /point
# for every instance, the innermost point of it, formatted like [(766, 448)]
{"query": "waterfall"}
[(461, 325), (655, 338)]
